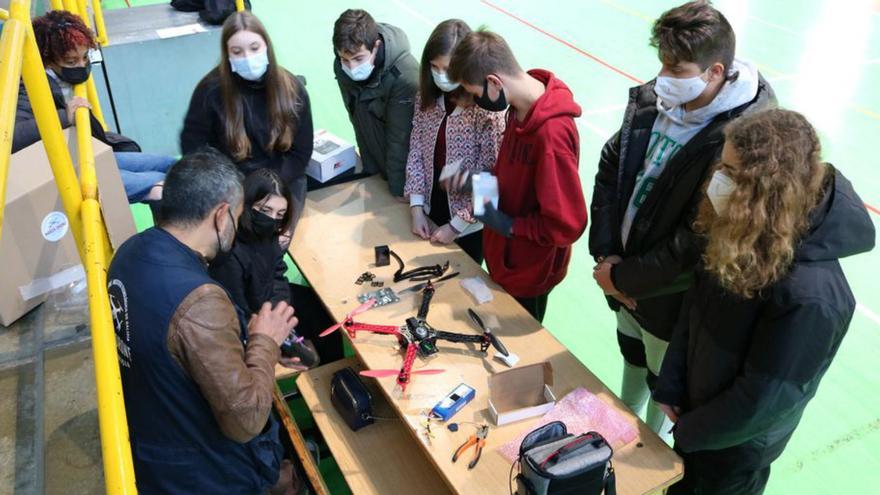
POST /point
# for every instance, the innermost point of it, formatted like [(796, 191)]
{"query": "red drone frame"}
[(417, 337)]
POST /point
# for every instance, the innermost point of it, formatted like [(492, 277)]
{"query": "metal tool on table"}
[(478, 441)]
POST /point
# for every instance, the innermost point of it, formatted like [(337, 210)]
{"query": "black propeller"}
[(493, 339)]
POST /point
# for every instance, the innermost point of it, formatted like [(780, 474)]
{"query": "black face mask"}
[(485, 103), (75, 75), (264, 226)]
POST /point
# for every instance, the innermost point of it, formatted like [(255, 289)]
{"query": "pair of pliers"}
[(478, 439)]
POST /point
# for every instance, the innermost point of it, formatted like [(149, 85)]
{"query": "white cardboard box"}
[(521, 393), (331, 156)]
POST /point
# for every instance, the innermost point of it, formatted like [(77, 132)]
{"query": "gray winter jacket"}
[(381, 108)]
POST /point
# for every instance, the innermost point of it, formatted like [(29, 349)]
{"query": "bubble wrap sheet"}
[(581, 412)]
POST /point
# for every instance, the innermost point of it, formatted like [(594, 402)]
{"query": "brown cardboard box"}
[(521, 393), (37, 249)]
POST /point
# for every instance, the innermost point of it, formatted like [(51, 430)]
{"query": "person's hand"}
[(602, 276), (629, 302), (460, 182), (495, 219), (292, 363), (613, 259), (275, 323), (420, 225), (444, 235), (284, 239), (73, 104), (401, 199), (672, 412)]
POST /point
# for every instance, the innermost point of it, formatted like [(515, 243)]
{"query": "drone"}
[(417, 338)]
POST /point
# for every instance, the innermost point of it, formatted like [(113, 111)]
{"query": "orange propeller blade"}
[(379, 373), (358, 310)]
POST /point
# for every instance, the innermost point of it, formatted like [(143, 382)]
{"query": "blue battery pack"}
[(453, 402)]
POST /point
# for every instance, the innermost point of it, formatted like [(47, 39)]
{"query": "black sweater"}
[(204, 125), (743, 370), (254, 273)]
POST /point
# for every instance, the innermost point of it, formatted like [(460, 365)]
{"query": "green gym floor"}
[(823, 59)]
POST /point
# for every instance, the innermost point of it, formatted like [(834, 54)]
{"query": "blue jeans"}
[(141, 171)]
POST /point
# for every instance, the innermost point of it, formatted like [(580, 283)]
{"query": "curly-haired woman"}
[(769, 306)]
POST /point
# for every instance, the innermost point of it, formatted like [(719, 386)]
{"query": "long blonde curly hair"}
[(779, 179)]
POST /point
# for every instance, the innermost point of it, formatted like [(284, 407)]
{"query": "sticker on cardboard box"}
[(54, 226)]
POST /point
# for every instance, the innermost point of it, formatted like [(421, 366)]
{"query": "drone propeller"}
[(496, 343), (385, 373), (358, 310), (493, 339)]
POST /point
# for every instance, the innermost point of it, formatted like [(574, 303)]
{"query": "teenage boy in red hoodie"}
[(541, 210)]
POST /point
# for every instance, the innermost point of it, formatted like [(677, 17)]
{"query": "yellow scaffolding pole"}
[(100, 28), (118, 467), (87, 178), (83, 11), (11, 42), (94, 101)]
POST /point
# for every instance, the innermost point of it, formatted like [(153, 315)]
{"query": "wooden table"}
[(333, 245)]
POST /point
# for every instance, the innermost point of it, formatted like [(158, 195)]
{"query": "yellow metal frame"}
[(20, 59)]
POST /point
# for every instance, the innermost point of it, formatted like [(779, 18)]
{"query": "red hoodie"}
[(540, 189)]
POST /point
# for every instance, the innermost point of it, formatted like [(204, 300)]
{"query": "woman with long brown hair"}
[(252, 109), (449, 131), (769, 306)]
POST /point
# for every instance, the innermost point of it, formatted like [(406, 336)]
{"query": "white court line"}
[(861, 308), (775, 26), (415, 13), (603, 110), (602, 133)]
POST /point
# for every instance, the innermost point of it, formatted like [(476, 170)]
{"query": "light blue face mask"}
[(251, 68), (359, 73), (441, 80)]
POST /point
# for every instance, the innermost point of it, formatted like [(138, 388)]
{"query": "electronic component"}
[(383, 255), (453, 402), (382, 296), (296, 346)]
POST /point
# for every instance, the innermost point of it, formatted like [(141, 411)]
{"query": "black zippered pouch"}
[(555, 462), (351, 399)]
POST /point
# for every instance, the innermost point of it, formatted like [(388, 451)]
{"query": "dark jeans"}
[(536, 306), (739, 470), (711, 482)]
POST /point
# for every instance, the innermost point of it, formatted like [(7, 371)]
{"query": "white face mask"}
[(674, 92), (720, 188), (251, 68), (359, 73), (441, 80)]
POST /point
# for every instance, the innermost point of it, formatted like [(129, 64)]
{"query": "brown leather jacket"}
[(203, 337)]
